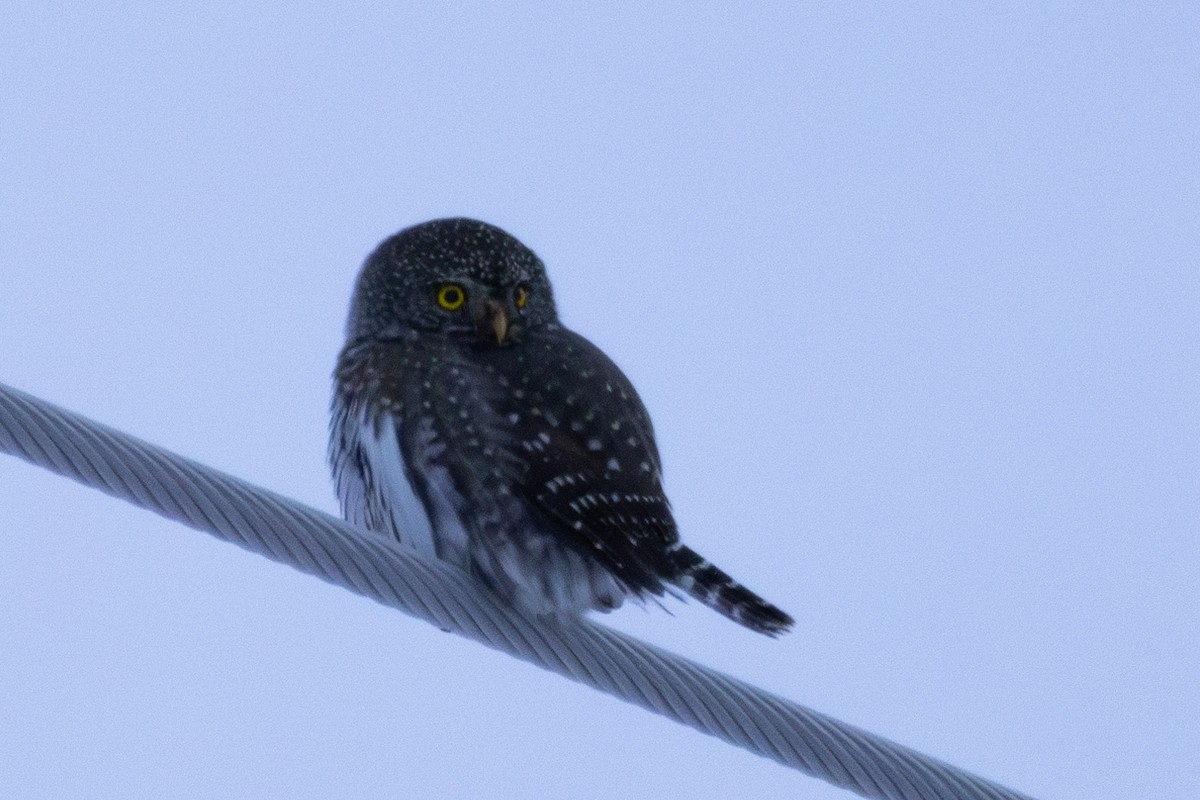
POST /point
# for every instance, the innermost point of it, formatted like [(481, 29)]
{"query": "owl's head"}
[(458, 276)]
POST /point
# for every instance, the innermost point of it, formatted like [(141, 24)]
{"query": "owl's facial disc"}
[(491, 318)]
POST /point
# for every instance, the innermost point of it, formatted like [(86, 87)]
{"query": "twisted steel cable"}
[(314, 542)]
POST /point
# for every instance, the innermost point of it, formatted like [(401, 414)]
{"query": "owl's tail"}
[(699, 578)]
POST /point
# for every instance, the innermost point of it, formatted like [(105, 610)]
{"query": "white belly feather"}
[(398, 502), (436, 531)]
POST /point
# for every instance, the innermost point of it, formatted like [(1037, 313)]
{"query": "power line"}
[(314, 542)]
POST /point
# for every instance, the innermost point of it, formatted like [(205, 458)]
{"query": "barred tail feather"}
[(715, 589)]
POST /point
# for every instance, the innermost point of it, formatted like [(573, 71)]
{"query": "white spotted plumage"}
[(484, 433)]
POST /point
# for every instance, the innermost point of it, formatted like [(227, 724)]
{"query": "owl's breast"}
[(397, 450)]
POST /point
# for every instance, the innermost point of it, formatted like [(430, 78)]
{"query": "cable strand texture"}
[(318, 544)]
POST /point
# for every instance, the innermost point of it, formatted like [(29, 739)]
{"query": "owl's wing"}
[(590, 465), (626, 524)]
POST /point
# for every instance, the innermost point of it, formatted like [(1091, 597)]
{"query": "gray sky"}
[(912, 297)]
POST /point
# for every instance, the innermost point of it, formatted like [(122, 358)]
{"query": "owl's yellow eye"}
[(520, 296), (451, 297)]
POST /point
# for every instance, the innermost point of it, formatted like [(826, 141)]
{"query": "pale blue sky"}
[(912, 296)]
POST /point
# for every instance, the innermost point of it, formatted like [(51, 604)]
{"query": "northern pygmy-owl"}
[(470, 424)]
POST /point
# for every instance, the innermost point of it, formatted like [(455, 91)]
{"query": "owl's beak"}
[(491, 317)]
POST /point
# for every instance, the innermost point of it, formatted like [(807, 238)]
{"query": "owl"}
[(470, 424)]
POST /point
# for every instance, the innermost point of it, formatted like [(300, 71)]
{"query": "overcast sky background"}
[(912, 296)]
